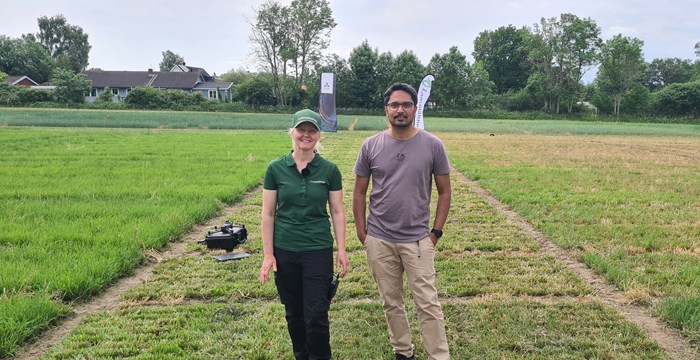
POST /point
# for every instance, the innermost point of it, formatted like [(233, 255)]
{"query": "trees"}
[(290, 36), (621, 68), (70, 87), (67, 44), (25, 57), (406, 68), (479, 86), (237, 76), (504, 55), (363, 84), (256, 92), (311, 26), (170, 59), (562, 51), (663, 72), (450, 71), (678, 99), (269, 40), (384, 77)]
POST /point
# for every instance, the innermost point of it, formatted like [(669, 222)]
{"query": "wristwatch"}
[(438, 233)]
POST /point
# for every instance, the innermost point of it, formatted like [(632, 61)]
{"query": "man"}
[(402, 162)]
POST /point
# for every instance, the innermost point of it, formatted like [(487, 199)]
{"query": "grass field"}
[(81, 207), (238, 121)]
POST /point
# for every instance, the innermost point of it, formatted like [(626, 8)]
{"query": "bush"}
[(105, 96), (70, 87), (636, 101), (145, 97), (681, 99), (20, 95), (516, 101)]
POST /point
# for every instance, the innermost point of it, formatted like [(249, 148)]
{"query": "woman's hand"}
[(342, 262), (268, 262)]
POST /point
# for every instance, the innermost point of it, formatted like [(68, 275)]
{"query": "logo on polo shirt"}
[(318, 181)]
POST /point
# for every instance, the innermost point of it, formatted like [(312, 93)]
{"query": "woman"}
[(297, 240)]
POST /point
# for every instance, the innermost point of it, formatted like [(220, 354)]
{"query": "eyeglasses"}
[(405, 106)]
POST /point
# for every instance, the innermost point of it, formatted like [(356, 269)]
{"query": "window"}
[(115, 92), (213, 94), (93, 92)]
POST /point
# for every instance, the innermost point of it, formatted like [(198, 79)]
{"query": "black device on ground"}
[(226, 237)]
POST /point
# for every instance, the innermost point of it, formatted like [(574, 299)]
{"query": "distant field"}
[(82, 206), (202, 120)]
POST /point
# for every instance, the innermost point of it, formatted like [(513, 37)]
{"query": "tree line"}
[(537, 68)]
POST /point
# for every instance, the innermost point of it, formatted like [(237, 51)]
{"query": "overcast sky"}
[(131, 35)]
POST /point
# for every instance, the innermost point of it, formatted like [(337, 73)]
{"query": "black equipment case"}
[(227, 237)]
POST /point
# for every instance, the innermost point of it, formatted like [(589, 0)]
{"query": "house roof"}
[(185, 68), (211, 85), (132, 79), (118, 79), (14, 80), (175, 80), (193, 78)]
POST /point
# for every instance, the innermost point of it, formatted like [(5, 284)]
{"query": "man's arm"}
[(442, 183), (359, 206)]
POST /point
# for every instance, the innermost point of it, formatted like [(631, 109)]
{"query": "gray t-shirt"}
[(401, 171)]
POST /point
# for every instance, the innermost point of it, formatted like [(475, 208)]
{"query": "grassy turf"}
[(493, 280), (80, 207), (626, 206)]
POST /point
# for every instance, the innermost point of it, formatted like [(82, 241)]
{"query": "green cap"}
[(307, 115)]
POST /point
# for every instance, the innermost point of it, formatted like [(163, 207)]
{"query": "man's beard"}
[(404, 122)]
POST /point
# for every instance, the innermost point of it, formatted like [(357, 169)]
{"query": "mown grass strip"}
[(626, 206), (253, 330)]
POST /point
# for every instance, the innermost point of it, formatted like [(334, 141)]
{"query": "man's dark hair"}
[(403, 87)]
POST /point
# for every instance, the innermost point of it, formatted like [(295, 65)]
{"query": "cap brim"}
[(312, 122)]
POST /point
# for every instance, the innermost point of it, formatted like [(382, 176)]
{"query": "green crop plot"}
[(80, 207)]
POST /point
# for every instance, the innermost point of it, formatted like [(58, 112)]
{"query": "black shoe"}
[(404, 357)]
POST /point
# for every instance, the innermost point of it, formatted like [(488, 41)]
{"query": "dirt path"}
[(669, 339)]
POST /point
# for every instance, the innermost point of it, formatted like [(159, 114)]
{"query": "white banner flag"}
[(423, 94), (326, 103)]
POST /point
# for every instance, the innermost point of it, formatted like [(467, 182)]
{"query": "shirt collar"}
[(289, 160)]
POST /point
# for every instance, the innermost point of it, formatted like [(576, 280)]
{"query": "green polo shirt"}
[(301, 218)]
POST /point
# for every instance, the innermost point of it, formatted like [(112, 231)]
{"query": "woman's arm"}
[(269, 207), (335, 200)]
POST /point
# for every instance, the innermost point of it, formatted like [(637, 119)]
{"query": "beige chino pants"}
[(388, 261)]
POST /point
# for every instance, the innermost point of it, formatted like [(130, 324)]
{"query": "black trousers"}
[(303, 281)]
